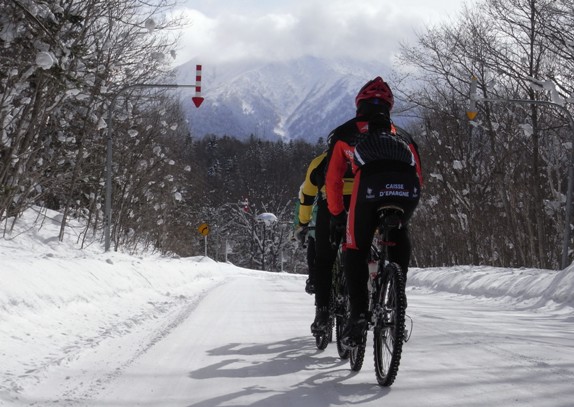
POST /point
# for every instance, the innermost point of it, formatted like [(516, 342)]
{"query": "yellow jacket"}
[(313, 188)]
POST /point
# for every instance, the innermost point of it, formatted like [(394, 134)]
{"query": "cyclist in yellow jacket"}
[(313, 193)]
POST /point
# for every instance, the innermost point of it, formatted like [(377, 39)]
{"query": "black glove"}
[(301, 233), (338, 226)]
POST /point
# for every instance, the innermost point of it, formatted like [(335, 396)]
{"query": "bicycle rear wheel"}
[(339, 326), (389, 327), (323, 339), (341, 304), (357, 355)]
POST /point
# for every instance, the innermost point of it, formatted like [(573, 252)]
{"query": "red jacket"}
[(342, 142)]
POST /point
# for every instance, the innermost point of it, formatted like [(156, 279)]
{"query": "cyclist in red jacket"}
[(386, 169)]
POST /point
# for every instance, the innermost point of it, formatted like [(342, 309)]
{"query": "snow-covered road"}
[(245, 342)]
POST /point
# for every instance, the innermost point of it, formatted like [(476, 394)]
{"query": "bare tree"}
[(496, 180), (73, 56)]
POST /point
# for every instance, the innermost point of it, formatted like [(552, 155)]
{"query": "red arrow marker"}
[(197, 99)]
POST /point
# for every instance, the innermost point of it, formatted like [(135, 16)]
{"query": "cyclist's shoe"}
[(321, 323), (354, 332), (309, 287)]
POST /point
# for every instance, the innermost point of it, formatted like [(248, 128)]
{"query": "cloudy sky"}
[(223, 30)]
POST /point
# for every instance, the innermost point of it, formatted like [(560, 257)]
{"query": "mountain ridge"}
[(303, 98)]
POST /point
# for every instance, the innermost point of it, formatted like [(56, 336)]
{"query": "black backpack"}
[(382, 146)]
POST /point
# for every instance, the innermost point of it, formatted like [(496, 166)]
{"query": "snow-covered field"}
[(88, 328)]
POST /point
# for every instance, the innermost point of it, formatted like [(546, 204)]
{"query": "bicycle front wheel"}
[(389, 330)]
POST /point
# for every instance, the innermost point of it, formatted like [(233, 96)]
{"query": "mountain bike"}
[(387, 304)]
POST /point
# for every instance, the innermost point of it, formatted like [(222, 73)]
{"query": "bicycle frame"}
[(379, 277)]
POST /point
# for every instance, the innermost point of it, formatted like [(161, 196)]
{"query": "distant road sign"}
[(203, 229)]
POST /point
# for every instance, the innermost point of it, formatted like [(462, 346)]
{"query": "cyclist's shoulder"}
[(403, 134), (318, 160), (317, 170), (347, 132)]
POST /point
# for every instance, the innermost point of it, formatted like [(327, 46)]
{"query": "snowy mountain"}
[(299, 99)]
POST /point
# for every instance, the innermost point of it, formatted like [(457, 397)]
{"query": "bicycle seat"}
[(390, 216)]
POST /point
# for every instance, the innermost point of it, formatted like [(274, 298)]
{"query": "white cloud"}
[(224, 31)]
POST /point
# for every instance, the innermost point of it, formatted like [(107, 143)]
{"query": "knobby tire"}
[(322, 340), (339, 326), (389, 329), (340, 304), (357, 355)]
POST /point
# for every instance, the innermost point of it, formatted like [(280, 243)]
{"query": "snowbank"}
[(40, 273), (533, 286)]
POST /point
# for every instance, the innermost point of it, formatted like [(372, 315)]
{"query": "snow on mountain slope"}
[(300, 99)]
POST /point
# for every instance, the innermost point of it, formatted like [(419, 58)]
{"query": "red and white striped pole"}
[(197, 99)]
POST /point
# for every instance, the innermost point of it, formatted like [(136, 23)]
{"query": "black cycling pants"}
[(311, 257), (370, 193)]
